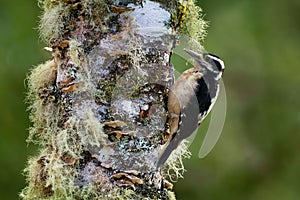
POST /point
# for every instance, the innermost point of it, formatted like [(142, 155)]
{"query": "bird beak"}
[(191, 53), (196, 56)]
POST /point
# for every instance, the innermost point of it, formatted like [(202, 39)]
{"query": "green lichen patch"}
[(174, 168), (49, 177), (42, 97), (187, 19), (40, 78)]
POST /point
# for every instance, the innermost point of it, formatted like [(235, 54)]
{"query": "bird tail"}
[(166, 151)]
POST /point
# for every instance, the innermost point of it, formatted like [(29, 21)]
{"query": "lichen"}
[(174, 168), (188, 19), (48, 178), (41, 97), (194, 26), (52, 22), (61, 17)]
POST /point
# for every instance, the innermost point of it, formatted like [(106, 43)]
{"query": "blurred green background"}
[(20, 49), (256, 156)]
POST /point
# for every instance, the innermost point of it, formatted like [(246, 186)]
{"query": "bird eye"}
[(215, 61)]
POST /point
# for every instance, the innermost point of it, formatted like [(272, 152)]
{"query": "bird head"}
[(208, 63)]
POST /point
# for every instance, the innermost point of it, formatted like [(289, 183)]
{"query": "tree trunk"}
[(99, 106)]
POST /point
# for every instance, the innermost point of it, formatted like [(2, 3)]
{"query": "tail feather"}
[(166, 152)]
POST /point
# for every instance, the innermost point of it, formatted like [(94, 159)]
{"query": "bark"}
[(98, 107)]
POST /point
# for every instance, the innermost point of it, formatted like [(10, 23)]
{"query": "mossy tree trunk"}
[(99, 106)]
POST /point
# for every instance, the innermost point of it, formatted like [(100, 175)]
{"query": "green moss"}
[(187, 18), (194, 26)]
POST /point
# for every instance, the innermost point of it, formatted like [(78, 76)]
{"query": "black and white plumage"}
[(191, 98)]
